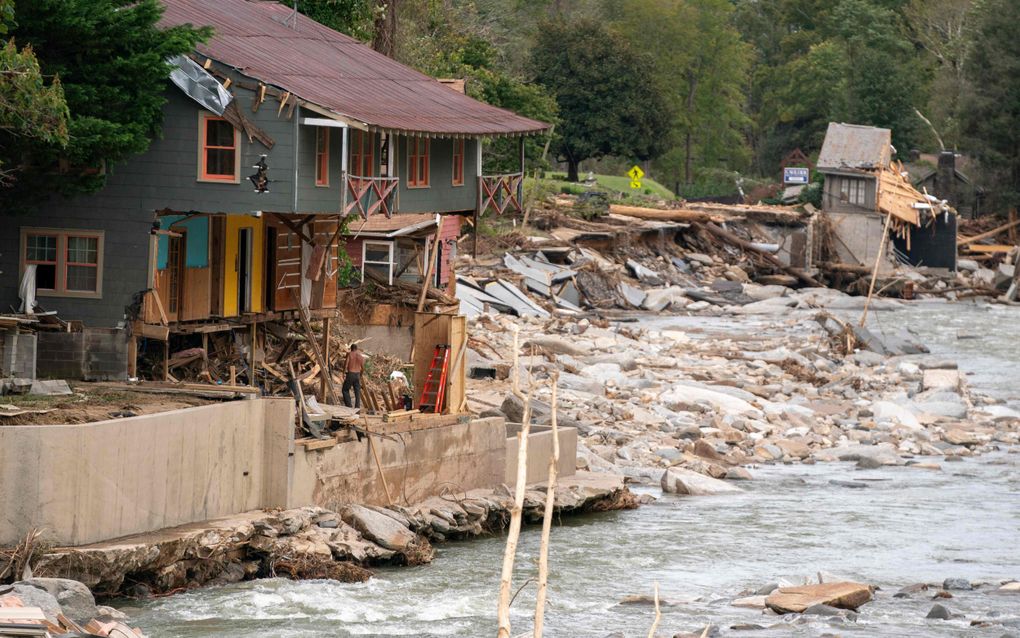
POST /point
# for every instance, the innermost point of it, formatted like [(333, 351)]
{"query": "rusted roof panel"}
[(268, 42), (855, 146)]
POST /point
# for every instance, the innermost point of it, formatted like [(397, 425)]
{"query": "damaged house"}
[(866, 194), (286, 147)]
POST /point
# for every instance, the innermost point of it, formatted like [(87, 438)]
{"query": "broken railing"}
[(501, 193), (370, 195)]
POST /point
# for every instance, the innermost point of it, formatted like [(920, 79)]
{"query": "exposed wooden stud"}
[(259, 98), (283, 103), (133, 356)]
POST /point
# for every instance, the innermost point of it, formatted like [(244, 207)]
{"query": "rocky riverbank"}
[(312, 542), (696, 402)]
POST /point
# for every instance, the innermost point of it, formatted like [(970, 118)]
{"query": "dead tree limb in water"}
[(550, 499), (516, 514), (658, 614)]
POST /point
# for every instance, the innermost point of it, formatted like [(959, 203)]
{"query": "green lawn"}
[(614, 183)]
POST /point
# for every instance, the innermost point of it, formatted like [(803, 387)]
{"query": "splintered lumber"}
[(433, 258), (323, 364), (514, 531), (963, 241), (732, 239)]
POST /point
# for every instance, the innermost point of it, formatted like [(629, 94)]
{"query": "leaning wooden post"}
[(516, 514), (550, 499), (874, 273), (325, 355)]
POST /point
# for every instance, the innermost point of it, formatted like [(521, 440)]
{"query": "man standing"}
[(353, 366)]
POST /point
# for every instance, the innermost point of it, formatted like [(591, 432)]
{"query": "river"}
[(908, 526)]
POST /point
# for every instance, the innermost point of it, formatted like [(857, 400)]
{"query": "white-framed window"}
[(377, 257), (68, 262), (852, 190)]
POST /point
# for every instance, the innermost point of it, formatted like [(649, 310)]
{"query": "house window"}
[(68, 263), (219, 144), (377, 258), (852, 190), (362, 155), (417, 162), (458, 162), (322, 156)]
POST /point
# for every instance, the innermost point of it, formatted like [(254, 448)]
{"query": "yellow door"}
[(243, 265)]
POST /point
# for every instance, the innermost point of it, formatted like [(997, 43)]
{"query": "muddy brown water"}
[(907, 526)]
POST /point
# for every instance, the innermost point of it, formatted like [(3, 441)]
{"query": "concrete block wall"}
[(60, 355), (98, 481), (95, 354), (17, 355), (106, 354)]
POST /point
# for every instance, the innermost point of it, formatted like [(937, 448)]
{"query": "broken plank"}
[(316, 444), (963, 241)]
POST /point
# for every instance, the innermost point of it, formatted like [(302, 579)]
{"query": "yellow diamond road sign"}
[(635, 174)]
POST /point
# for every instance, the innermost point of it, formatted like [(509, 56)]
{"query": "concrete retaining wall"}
[(97, 481), (17, 355), (417, 465), (540, 449)]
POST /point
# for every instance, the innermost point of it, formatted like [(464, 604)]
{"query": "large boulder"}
[(31, 596), (845, 595), (379, 528), (74, 598), (677, 480), (682, 395)]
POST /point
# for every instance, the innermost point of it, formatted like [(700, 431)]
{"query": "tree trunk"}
[(384, 32), (572, 170), (687, 159)]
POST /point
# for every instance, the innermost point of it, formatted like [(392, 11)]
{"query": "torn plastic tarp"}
[(199, 84)]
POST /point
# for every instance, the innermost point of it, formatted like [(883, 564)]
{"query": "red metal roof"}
[(266, 41)]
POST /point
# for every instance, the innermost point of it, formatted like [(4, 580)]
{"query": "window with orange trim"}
[(362, 155), (417, 162), (322, 156), (458, 162), (219, 142)]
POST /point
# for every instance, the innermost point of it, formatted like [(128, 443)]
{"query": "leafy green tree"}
[(992, 104), (353, 17), (607, 106), (31, 111), (110, 56), (700, 60)]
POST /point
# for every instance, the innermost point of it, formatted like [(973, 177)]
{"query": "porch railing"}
[(368, 196), (501, 193)]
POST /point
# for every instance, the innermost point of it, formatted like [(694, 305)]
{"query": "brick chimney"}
[(945, 179)]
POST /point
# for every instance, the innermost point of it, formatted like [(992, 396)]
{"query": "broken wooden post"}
[(433, 258), (325, 355), (514, 531), (375, 454), (251, 355), (550, 501)]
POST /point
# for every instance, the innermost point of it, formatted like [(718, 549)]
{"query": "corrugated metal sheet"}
[(855, 146), (266, 41)]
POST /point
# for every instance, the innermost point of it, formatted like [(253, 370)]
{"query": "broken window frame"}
[(203, 149), (62, 262), (418, 161), (387, 264), (322, 156)]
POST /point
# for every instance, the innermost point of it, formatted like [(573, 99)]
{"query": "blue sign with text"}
[(796, 176)]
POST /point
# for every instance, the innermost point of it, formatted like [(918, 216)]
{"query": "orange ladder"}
[(433, 393)]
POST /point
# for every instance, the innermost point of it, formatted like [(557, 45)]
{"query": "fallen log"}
[(733, 240), (853, 269), (659, 214)]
